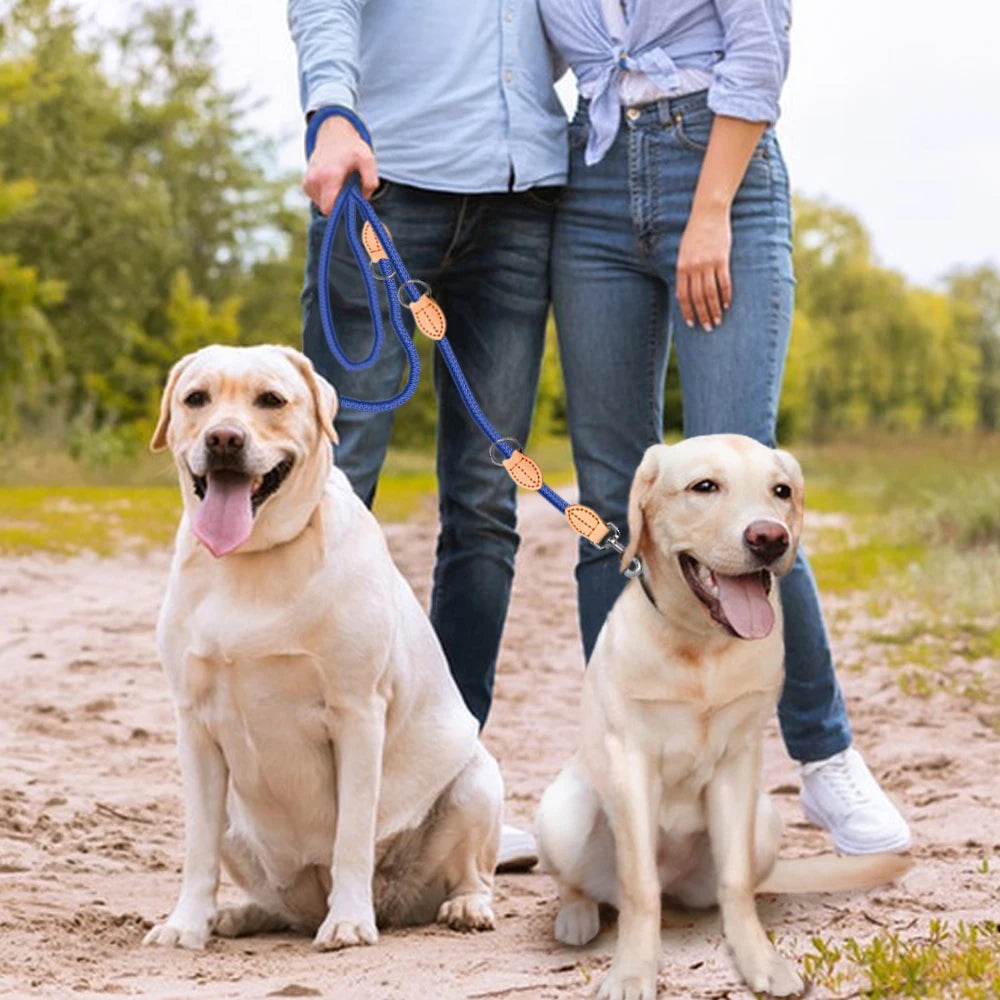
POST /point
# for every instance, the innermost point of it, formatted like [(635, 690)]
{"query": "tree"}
[(977, 291), (141, 172), (869, 350), (28, 347)]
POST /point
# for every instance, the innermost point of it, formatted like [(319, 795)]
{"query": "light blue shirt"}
[(742, 43), (457, 94)]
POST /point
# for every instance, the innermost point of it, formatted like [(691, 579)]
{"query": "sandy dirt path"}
[(91, 831)]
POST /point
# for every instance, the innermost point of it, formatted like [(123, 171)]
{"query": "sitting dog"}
[(326, 754), (664, 795)]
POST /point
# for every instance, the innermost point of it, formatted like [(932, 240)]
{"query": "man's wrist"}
[(316, 118)]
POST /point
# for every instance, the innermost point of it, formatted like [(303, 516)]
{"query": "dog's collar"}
[(641, 577)]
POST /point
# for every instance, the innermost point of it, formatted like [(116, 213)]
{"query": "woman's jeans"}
[(486, 260), (618, 230)]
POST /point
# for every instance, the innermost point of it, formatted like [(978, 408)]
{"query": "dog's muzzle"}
[(741, 604)]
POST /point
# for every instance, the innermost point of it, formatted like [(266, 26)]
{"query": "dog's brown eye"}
[(197, 398), (782, 491), (269, 401), (705, 486)]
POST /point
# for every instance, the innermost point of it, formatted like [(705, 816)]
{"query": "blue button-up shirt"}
[(457, 94), (742, 43)]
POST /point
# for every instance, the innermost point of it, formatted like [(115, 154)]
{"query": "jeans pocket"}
[(692, 133), (692, 130), (384, 187), (546, 197)]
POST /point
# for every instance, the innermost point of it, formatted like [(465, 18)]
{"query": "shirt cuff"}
[(330, 93), (733, 104)]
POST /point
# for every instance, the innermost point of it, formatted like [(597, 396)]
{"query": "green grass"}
[(408, 483), (909, 506), (946, 963), (72, 519), (48, 503)]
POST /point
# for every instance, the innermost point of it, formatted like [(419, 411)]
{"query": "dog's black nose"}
[(767, 539), (224, 440)]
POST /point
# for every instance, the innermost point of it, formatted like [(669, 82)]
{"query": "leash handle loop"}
[(320, 115)]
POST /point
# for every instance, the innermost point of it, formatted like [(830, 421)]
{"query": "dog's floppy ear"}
[(642, 483), (790, 466), (159, 440), (324, 395)]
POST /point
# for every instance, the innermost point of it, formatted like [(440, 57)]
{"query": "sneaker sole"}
[(891, 845), (517, 863)]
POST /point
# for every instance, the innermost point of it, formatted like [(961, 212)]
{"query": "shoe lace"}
[(840, 778)]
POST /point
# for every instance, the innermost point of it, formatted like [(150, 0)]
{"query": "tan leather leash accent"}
[(372, 244)]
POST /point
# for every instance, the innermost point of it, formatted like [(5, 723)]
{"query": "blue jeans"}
[(486, 259), (618, 230)]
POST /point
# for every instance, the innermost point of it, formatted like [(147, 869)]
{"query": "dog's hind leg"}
[(577, 848), (265, 911)]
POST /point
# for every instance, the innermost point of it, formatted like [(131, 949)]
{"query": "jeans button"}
[(632, 114)]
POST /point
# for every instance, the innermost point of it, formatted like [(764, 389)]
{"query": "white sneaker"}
[(839, 794), (518, 851)]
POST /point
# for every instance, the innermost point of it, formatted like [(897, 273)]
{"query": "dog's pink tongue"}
[(745, 605), (224, 519)]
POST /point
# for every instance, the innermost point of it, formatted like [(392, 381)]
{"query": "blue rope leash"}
[(397, 282)]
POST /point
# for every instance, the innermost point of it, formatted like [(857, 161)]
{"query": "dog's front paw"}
[(578, 922), (628, 983), (469, 912), (171, 934), (773, 975), (338, 932)]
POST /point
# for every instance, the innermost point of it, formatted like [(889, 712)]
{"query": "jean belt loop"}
[(664, 110)]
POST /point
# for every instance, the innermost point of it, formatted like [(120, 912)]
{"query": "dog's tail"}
[(834, 873)]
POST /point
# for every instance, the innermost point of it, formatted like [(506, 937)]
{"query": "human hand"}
[(704, 288), (339, 151)]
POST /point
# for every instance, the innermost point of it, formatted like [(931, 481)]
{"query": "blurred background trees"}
[(141, 218)]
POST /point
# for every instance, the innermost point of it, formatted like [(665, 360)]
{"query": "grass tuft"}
[(960, 963)]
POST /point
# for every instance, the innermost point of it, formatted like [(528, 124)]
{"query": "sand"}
[(91, 826)]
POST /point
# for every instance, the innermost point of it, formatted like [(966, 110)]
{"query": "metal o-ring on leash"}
[(493, 447), (375, 268), (412, 281)]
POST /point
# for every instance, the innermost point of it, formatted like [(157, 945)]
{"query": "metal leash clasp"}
[(612, 540)]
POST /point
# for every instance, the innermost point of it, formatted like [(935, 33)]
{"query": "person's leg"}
[(421, 224), (494, 290), (611, 315), (731, 381)]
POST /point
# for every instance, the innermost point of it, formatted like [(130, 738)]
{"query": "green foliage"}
[(960, 963), (143, 176), (130, 184), (977, 291), (868, 350), (129, 390), (28, 347)]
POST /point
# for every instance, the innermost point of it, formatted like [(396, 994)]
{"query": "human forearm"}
[(704, 289), (730, 145)]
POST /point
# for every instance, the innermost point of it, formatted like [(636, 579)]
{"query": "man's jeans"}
[(486, 260), (618, 231)]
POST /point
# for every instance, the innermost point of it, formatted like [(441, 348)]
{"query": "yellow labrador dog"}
[(327, 757), (664, 794)]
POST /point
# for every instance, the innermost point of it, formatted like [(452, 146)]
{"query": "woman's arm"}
[(703, 285)]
